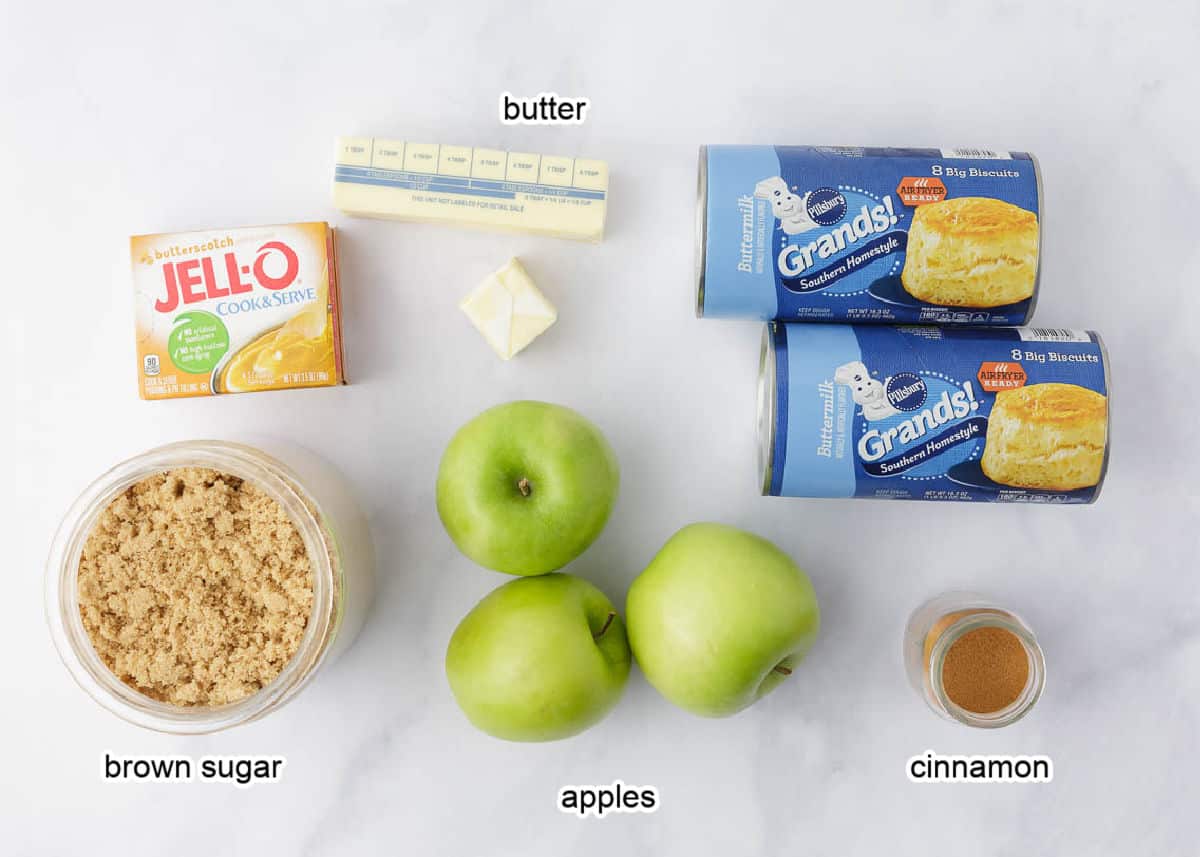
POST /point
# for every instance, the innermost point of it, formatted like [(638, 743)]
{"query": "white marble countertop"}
[(122, 118)]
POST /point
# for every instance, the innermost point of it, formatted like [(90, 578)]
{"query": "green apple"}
[(719, 618), (525, 487), (539, 659)]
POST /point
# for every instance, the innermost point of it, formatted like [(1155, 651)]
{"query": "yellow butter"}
[(509, 310), (465, 186)]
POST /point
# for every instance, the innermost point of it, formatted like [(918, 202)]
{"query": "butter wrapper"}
[(471, 187)]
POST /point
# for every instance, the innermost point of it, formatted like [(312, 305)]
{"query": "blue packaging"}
[(868, 235), (933, 413)]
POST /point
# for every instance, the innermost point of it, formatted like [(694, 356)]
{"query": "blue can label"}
[(804, 233), (935, 413)]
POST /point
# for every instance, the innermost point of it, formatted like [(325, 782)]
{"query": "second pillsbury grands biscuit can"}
[(868, 235), (933, 413)]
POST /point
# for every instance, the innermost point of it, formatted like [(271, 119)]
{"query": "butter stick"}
[(474, 187)]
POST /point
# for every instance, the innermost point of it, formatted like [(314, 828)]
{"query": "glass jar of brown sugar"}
[(328, 525), (973, 661)]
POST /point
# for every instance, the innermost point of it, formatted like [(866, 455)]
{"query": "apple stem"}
[(524, 487), (612, 614), (779, 668)]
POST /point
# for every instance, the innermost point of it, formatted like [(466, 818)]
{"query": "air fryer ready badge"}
[(926, 413), (802, 233)]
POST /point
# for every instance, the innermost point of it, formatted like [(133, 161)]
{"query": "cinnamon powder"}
[(985, 670)]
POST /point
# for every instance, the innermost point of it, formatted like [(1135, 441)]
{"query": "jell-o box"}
[(236, 310)]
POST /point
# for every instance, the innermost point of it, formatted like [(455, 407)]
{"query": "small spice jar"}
[(317, 501), (973, 661)]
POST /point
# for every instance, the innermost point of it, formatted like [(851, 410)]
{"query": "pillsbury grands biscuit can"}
[(933, 413), (847, 234)]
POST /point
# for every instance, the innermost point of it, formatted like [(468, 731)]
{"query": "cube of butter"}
[(508, 310)]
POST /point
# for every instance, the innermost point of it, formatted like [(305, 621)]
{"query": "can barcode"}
[(975, 152), (1053, 334)]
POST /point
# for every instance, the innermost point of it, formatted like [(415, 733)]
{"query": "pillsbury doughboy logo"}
[(826, 205), (906, 391), (865, 390), (789, 209)]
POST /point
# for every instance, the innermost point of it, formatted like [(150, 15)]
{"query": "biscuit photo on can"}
[(971, 252), (1047, 436)]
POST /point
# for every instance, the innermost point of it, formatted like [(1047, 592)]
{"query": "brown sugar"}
[(985, 670), (195, 587)]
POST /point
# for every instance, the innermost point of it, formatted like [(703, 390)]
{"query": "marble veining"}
[(126, 117)]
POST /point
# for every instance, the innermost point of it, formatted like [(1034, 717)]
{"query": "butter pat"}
[(509, 310), (466, 186)]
